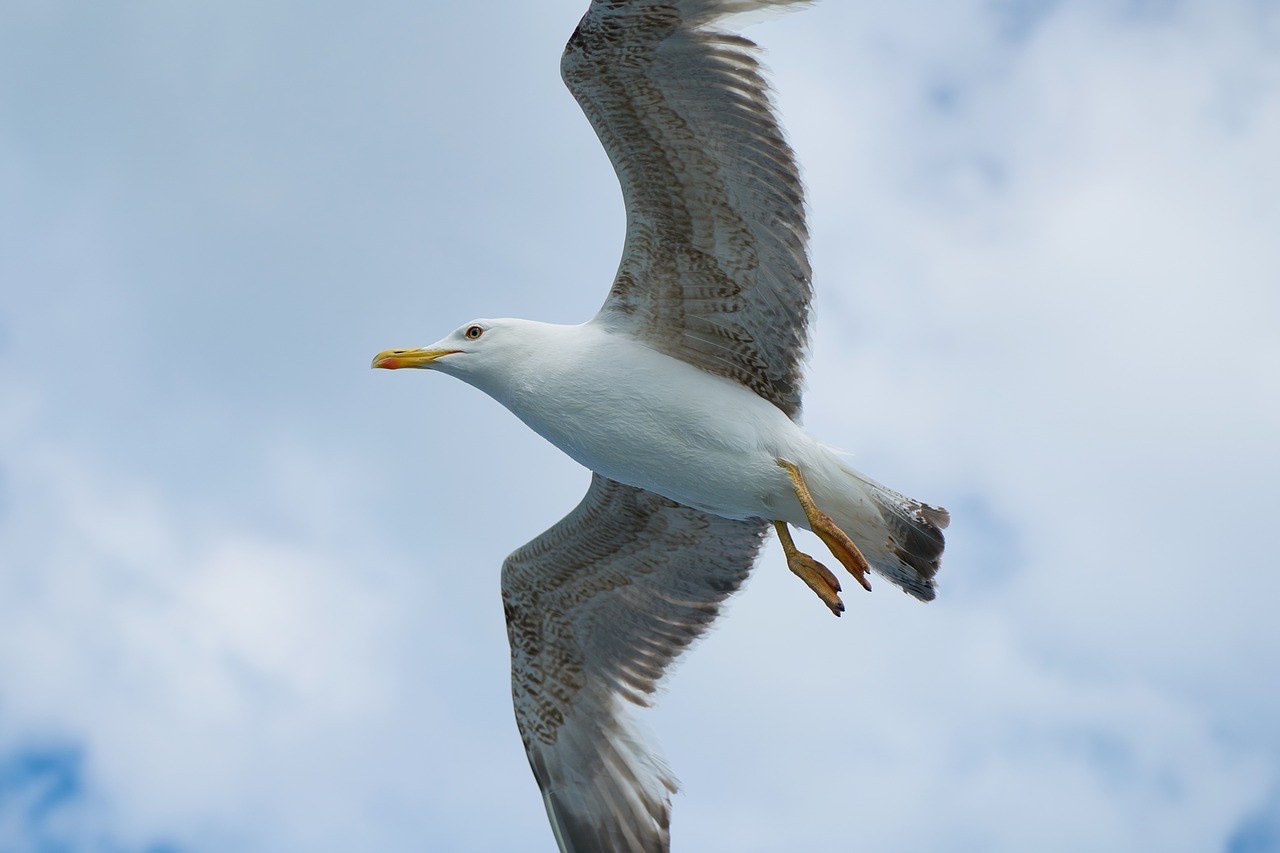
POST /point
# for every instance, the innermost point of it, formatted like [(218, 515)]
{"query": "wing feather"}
[(715, 268), (597, 609)]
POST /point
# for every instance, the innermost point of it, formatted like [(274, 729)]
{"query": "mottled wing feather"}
[(597, 608), (715, 268)]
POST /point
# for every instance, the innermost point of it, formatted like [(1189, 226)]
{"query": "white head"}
[(483, 353)]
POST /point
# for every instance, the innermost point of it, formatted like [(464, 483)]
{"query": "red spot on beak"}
[(388, 363)]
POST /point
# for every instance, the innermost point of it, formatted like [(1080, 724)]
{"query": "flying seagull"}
[(681, 395)]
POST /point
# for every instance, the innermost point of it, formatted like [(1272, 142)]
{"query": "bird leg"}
[(817, 576), (820, 523)]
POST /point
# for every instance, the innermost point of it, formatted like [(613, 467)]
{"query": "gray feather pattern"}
[(597, 608), (715, 268)]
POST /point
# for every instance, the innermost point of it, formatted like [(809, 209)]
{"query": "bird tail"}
[(901, 537)]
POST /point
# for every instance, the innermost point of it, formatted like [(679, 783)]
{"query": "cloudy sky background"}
[(249, 588)]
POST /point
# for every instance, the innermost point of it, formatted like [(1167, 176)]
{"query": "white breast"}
[(648, 420)]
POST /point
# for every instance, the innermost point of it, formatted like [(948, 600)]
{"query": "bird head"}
[(488, 354), (461, 345)]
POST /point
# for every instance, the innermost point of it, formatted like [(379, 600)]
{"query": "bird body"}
[(639, 416)]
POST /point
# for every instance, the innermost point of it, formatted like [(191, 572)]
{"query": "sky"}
[(249, 588)]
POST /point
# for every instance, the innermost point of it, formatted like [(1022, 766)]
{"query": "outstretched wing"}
[(597, 608), (714, 270)]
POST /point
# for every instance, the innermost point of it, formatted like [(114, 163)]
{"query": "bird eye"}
[(473, 332)]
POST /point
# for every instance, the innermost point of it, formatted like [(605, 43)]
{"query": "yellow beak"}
[(394, 359)]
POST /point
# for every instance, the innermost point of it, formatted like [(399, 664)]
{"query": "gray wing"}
[(714, 270), (597, 608)]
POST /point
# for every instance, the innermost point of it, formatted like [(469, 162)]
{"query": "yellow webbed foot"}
[(817, 576), (841, 546)]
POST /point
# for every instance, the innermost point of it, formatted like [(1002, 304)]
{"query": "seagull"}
[(682, 396)]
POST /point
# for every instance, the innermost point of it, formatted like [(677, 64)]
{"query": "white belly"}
[(651, 421)]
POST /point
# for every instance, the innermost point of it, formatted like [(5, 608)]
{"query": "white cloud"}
[(257, 586), (228, 688)]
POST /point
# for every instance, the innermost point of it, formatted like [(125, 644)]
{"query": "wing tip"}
[(622, 803)]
